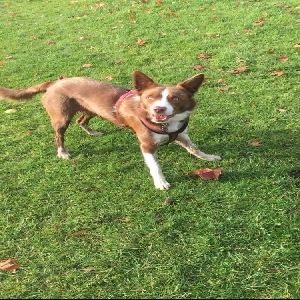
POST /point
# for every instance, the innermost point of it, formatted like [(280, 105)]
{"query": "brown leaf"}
[(204, 55), (269, 51), (213, 35), (79, 232), (296, 46), (9, 265), (124, 220), (141, 42), (281, 110), (255, 143), (294, 174), (51, 43), (277, 73), (198, 67), (2, 63), (258, 23), (33, 37), (283, 58), (223, 88), (109, 77), (238, 70), (87, 65), (168, 201), (221, 80), (159, 2), (207, 173)]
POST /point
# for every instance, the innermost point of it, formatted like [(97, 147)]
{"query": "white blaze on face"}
[(163, 102)]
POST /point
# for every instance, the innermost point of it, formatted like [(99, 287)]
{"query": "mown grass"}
[(94, 226)]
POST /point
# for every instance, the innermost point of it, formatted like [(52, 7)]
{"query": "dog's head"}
[(165, 102)]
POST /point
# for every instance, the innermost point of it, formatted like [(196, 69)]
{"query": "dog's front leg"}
[(184, 141), (155, 171)]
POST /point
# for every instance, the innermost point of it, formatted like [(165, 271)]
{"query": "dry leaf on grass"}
[(204, 55), (277, 73), (238, 70), (198, 67), (87, 65), (79, 232), (207, 173), (255, 143), (9, 265)]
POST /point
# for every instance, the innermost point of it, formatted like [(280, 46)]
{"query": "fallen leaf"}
[(79, 232), (238, 70), (87, 65), (297, 46), (281, 110), (109, 77), (277, 73), (221, 80), (12, 110), (213, 35), (255, 143), (51, 43), (168, 201), (2, 63), (198, 67), (89, 269), (257, 23), (273, 271), (207, 173), (159, 2), (124, 220), (294, 173), (283, 58), (223, 88), (82, 38), (141, 42), (204, 55), (9, 265), (33, 37), (269, 51)]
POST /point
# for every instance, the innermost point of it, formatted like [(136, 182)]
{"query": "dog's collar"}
[(149, 125), (172, 135)]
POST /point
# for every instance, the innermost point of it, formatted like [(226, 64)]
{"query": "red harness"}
[(150, 126)]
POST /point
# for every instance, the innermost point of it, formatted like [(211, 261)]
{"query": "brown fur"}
[(68, 96)]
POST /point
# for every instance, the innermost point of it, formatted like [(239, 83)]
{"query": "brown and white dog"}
[(157, 113)]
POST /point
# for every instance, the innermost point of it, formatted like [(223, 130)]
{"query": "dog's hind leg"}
[(83, 121), (60, 126)]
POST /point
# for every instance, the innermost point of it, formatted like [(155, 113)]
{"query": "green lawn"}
[(95, 226)]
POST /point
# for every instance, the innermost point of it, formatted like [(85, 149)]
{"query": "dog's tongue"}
[(161, 117)]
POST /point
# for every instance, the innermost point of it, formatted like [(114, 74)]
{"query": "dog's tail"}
[(25, 94)]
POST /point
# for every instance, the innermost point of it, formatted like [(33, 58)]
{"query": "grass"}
[(94, 226)]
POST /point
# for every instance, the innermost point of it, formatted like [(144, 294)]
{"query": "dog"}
[(157, 113)]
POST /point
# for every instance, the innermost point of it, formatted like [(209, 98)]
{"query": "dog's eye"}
[(175, 98), (149, 97)]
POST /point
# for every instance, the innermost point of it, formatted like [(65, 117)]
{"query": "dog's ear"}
[(192, 84), (142, 81)]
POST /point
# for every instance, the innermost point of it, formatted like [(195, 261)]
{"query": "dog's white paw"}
[(212, 157), (62, 153), (162, 184)]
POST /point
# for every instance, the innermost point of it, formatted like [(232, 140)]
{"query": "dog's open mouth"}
[(160, 118)]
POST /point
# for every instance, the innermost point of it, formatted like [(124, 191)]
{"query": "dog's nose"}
[(159, 109)]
